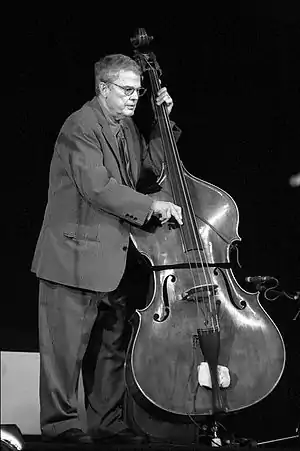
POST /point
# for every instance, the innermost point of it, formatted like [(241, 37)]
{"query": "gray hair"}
[(108, 68)]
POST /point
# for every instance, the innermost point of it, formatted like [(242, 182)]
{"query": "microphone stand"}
[(291, 437), (276, 293)]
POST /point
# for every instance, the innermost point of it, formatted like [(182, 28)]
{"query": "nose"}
[(134, 95)]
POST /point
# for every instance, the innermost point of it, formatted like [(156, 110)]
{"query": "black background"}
[(233, 74)]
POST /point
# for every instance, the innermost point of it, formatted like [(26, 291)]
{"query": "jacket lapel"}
[(107, 134), (111, 141)]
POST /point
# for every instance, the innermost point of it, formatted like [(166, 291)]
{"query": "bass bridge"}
[(200, 293)]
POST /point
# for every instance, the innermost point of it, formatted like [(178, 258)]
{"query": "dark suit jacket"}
[(85, 233)]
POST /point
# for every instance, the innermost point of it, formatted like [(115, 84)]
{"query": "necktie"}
[(125, 157)]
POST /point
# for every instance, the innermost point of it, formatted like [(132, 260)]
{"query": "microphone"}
[(259, 279)]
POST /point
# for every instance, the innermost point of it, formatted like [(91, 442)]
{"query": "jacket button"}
[(125, 248)]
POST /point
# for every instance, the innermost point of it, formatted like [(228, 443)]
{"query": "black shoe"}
[(129, 436), (76, 436)]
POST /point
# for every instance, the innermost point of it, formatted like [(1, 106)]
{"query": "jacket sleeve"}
[(81, 154)]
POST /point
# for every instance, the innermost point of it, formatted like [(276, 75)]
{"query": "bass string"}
[(184, 199)]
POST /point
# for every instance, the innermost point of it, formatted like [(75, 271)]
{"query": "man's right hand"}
[(164, 210)]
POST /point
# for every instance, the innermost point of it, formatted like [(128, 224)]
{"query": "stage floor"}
[(34, 443)]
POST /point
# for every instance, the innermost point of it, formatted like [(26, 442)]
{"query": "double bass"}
[(203, 345)]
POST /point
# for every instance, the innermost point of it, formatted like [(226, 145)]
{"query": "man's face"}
[(117, 99)]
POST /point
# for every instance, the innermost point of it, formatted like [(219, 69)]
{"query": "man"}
[(83, 249)]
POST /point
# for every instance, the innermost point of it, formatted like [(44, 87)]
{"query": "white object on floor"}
[(20, 392)]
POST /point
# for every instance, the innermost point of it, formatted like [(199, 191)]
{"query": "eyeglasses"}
[(129, 90)]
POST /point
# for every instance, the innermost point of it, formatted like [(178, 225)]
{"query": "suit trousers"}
[(88, 331)]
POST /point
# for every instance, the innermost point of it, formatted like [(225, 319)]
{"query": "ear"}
[(103, 89)]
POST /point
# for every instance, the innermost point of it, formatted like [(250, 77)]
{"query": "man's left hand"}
[(164, 97)]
